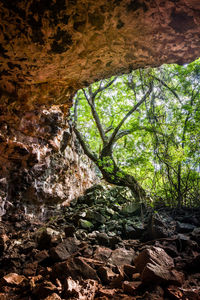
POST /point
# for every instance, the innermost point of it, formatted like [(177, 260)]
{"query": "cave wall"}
[(41, 162), (51, 48)]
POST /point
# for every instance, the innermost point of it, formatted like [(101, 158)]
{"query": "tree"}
[(177, 151), (105, 161), (137, 129)]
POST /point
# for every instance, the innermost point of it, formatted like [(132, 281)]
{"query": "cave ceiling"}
[(51, 48)]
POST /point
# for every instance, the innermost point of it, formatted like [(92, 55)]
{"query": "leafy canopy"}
[(159, 142)]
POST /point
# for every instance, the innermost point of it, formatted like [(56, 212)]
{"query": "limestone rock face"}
[(51, 48)]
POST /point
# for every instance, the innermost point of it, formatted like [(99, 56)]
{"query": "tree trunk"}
[(179, 197), (113, 174)]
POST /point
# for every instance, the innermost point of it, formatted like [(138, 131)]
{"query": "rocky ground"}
[(102, 246)]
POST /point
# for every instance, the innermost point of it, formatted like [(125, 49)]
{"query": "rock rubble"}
[(61, 260)]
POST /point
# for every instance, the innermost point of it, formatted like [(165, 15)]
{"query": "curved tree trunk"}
[(113, 174)]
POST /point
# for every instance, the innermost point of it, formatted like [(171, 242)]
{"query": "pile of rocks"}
[(64, 259)]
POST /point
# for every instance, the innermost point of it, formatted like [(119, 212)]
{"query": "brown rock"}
[(84, 290), (75, 267), (153, 254), (64, 250), (121, 257), (28, 247), (130, 287), (41, 256), (13, 279), (34, 280), (136, 276), (30, 269), (155, 265), (117, 281), (109, 293), (174, 292), (193, 293), (129, 270), (102, 253), (46, 237), (4, 296), (44, 289), (3, 239), (156, 294), (59, 253), (54, 296), (106, 274)]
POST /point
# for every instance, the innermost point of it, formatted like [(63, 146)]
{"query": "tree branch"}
[(76, 110), (86, 97), (111, 140), (102, 88), (165, 85), (86, 149), (98, 122), (91, 102), (129, 131)]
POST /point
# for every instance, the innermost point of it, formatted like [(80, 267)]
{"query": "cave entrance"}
[(141, 130)]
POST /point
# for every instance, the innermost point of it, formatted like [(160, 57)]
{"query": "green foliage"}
[(162, 149)]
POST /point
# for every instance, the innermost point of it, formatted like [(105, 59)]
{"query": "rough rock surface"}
[(48, 50), (129, 269), (41, 161)]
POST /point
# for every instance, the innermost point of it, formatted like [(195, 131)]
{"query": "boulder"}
[(64, 250), (102, 239), (156, 266), (129, 271), (121, 256), (196, 235), (102, 254), (30, 268), (107, 293), (75, 267)]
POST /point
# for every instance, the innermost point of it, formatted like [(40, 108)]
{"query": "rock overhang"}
[(49, 49)]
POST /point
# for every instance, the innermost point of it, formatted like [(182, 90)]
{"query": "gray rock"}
[(184, 227)]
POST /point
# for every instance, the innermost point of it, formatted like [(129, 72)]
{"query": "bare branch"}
[(97, 121), (85, 94), (76, 110), (168, 87), (102, 88), (91, 102), (86, 149)]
